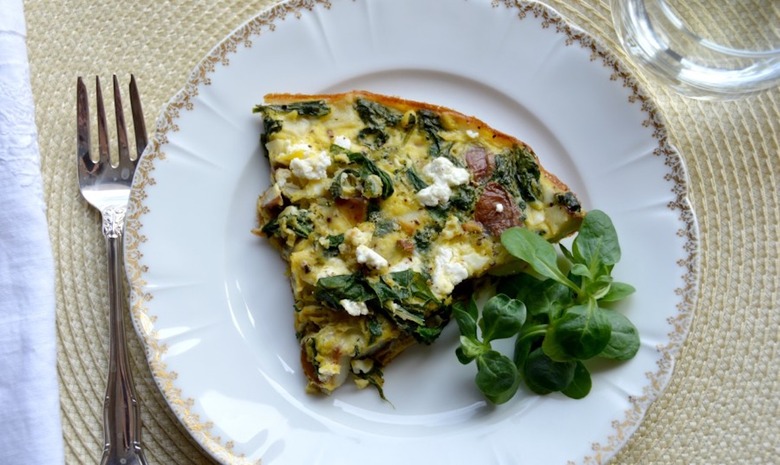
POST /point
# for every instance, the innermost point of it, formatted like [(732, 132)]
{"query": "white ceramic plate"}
[(211, 301)]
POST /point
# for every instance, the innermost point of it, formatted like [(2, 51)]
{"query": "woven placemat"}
[(722, 404)]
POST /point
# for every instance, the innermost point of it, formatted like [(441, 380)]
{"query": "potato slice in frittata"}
[(381, 207)]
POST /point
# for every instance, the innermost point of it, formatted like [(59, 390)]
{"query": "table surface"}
[(722, 404)]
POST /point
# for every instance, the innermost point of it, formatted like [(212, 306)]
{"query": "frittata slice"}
[(381, 206)]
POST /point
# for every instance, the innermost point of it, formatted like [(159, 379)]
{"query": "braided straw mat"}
[(721, 406)]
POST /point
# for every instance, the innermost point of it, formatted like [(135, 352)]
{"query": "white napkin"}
[(30, 428)]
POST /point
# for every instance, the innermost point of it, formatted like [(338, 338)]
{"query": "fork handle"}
[(121, 412)]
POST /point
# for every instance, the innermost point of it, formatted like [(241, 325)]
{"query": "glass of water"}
[(706, 49)]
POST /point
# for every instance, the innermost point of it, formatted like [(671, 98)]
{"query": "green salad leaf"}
[(556, 311)]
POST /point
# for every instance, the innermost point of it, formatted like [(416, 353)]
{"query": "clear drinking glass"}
[(706, 49)]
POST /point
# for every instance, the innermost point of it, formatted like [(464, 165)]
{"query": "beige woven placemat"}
[(722, 405)]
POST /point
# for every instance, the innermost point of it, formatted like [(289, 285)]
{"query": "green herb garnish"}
[(556, 315), (501, 318)]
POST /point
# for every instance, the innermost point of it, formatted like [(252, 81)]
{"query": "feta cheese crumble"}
[(343, 142), (354, 308), (442, 170), (453, 265), (448, 271), (312, 165), (435, 194), (369, 257), (444, 175)]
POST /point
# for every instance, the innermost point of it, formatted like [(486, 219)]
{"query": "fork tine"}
[(105, 154), (107, 187), (82, 127), (139, 126), (121, 128)]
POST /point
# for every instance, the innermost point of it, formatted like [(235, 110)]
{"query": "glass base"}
[(671, 48)]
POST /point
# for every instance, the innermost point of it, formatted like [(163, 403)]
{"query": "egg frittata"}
[(381, 207)]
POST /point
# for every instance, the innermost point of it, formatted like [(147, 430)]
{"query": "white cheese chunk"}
[(312, 165), (472, 134), (354, 308), (499, 207), (435, 194), (343, 142), (367, 256), (442, 170), (448, 271), (444, 175)]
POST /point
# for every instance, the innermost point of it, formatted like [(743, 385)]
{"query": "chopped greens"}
[(345, 184), (375, 115), (383, 227), (430, 123), (527, 174), (373, 138), (290, 221), (374, 329), (569, 201), (377, 119), (424, 236), (555, 313), (272, 125), (334, 241), (517, 171), (332, 290), (366, 179), (403, 296), (414, 179), (407, 299), (463, 198), (368, 168), (310, 108)]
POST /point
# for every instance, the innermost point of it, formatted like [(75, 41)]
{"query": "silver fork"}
[(107, 187)]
